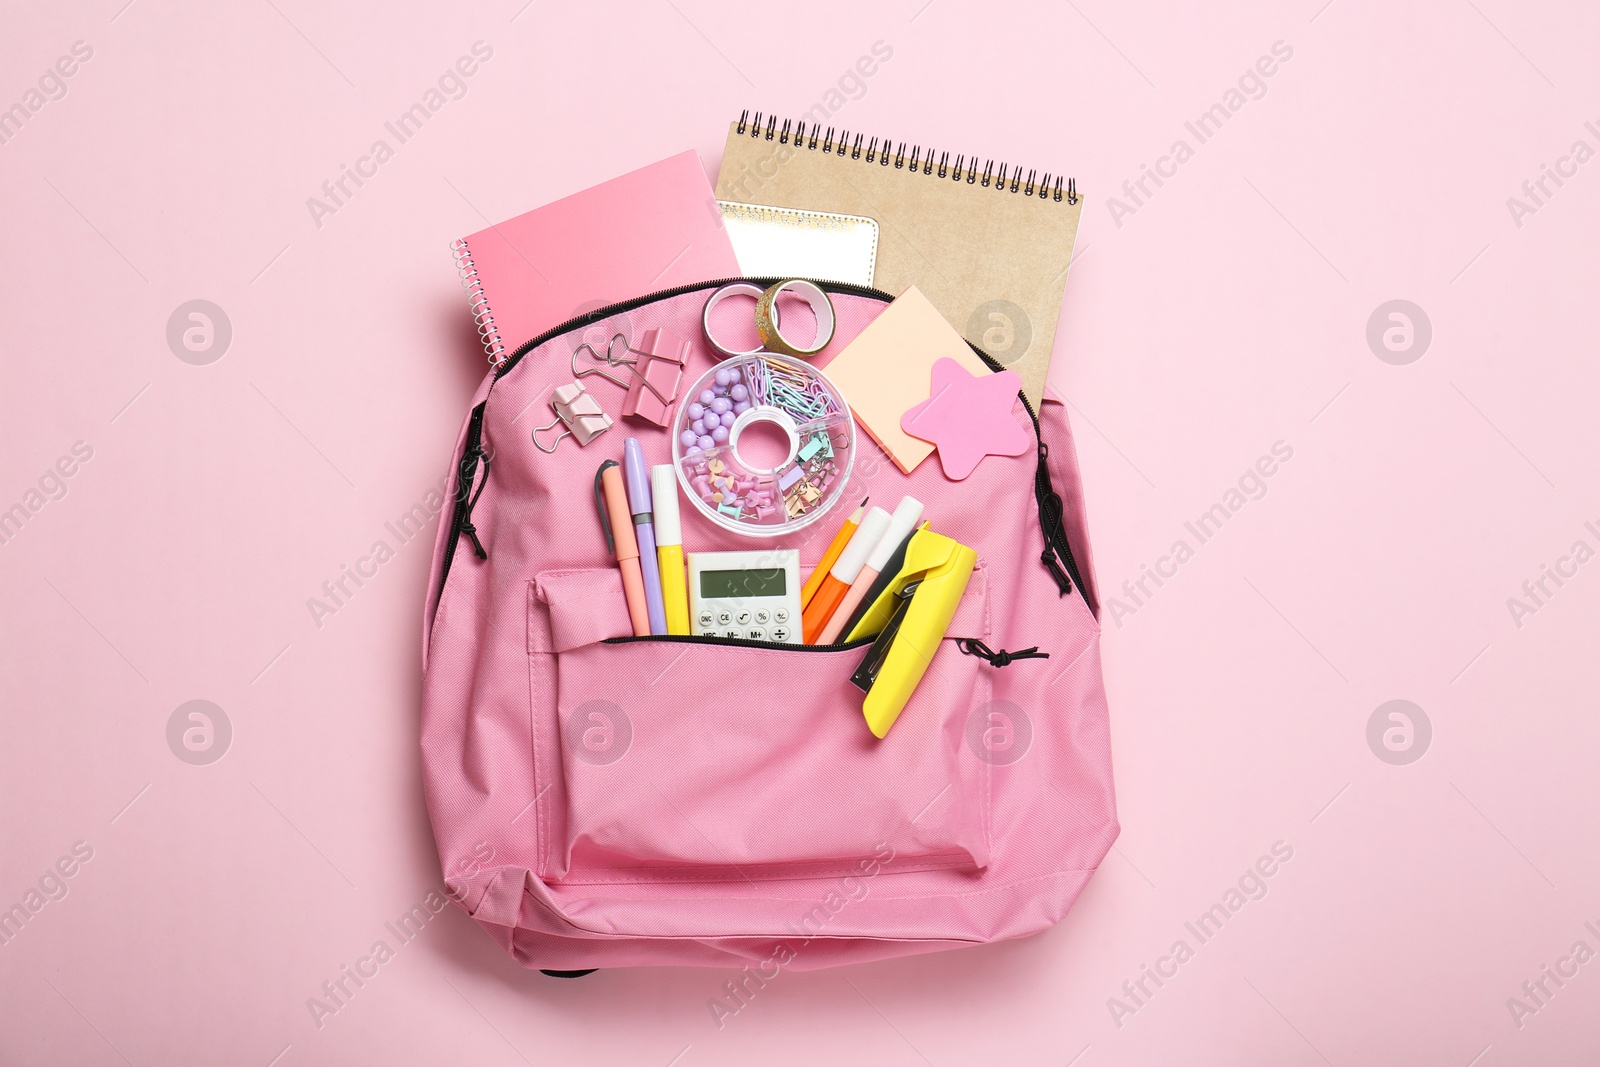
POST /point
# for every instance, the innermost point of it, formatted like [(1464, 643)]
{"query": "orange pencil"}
[(843, 573), (829, 557)]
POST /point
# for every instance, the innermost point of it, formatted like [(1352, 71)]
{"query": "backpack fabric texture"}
[(601, 803)]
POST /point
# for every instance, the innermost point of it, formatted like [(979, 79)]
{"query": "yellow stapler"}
[(910, 618)]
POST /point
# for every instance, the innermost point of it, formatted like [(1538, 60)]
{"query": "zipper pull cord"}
[(971, 646), (1053, 564), (469, 464), (1051, 512)]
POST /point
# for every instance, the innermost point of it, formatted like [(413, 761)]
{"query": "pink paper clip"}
[(657, 376), (578, 412)]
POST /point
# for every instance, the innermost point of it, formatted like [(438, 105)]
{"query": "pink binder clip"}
[(657, 376), (577, 411)]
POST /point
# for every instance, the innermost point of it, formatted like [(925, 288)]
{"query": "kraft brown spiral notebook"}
[(987, 245)]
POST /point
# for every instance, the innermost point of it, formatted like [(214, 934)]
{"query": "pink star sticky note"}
[(968, 417)]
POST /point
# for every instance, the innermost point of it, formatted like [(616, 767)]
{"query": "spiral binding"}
[(795, 132), (482, 318)]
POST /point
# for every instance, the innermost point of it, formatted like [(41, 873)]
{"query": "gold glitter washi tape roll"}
[(767, 319)]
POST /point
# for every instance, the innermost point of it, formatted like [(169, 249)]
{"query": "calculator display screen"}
[(743, 583)]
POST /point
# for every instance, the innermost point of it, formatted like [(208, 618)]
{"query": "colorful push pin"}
[(578, 412), (657, 375)]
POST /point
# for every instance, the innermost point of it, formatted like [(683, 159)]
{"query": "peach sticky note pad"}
[(888, 368)]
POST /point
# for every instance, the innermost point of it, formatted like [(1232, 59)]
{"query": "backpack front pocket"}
[(693, 758)]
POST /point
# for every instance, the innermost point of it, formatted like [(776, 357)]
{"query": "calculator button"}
[(705, 618), (731, 633), (724, 617), (780, 634), (743, 618), (762, 617), (780, 615), (756, 633), (708, 633)]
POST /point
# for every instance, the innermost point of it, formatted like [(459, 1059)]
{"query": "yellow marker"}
[(669, 546)]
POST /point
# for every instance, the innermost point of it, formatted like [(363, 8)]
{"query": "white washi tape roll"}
[(735, 289)]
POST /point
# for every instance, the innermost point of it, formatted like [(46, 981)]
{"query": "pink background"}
[(1227, 313)]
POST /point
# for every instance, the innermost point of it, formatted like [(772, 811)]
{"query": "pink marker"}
[(611, 497), (905, 518)]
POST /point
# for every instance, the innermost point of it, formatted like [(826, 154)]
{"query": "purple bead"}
[(720, 434), (691, 450), (688, 437), (699, 425), (740, 392), (696, 410), (721, 404), (741, 407), (729, 418), (707, 396), (724, 376), (706, 442)]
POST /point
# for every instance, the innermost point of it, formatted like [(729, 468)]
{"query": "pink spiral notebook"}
[(654, 228)]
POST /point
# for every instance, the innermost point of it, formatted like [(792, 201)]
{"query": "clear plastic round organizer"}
[(809, 436)]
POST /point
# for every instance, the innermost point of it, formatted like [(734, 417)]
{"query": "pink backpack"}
[(601, 800)]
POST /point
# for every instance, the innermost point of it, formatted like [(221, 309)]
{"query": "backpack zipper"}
[(665, 294), (466, 474), (737, 642), (1051, 510), (1057, 556)]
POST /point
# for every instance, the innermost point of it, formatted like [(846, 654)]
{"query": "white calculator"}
[(750, 595)]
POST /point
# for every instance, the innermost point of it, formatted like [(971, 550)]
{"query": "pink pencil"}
[(902, 522)]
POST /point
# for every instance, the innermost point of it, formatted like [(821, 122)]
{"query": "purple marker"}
[(637, 475)]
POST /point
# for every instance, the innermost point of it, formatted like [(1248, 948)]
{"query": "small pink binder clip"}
[(577, 411), (657, 376)]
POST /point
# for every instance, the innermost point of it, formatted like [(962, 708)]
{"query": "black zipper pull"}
[(971, 646), (1050, 512), (460, 509), (472, 534), (1053, 564), (1049, 522), (469, 466)]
